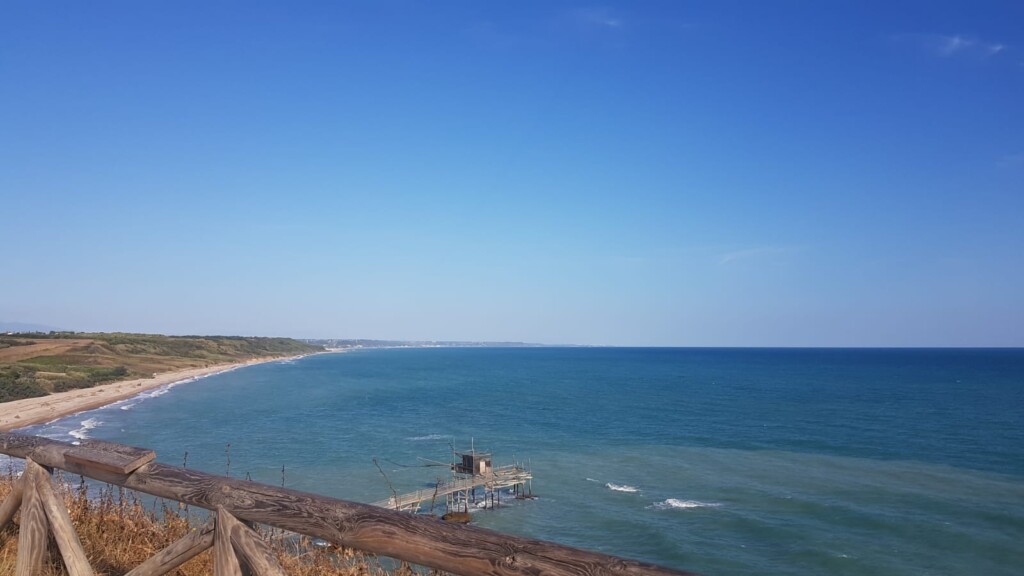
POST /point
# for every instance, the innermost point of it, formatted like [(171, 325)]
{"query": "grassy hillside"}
[(37, 364)]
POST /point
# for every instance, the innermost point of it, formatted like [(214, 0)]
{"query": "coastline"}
[(31, 411)]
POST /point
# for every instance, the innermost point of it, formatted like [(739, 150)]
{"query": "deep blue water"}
[(721, 461)]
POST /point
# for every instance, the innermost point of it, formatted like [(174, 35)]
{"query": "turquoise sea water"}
[(720, 461)]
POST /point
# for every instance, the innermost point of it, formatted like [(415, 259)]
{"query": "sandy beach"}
[(30, 411)]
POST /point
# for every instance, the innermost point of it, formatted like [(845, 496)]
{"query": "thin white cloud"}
[(953, 45), (597, 17), (949, 45), (1011, 161)]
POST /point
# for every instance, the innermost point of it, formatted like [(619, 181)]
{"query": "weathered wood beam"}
[(183, 550), (109, 456), (248, 544), (465, 550), (63, 531), (12, 503), (225, 562), (32, 535)]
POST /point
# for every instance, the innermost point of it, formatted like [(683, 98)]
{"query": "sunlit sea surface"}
[(720, 461)]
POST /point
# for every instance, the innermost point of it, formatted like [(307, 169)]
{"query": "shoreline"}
[(31, 411)]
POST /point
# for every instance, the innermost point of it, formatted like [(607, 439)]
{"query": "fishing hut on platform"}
[(470, 471)]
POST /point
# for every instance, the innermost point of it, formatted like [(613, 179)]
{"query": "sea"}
[(717, 461)]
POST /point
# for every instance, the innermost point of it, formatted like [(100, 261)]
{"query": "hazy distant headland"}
[(343, 344), (21, 327)]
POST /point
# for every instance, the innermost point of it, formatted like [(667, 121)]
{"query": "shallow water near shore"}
[(717, 461)]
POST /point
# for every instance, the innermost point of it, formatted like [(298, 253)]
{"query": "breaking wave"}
[(427, 437), (83, 432), (676, 504), (622, 487), (160, 391)]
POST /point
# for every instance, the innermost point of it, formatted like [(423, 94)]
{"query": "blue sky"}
[(631, 173)]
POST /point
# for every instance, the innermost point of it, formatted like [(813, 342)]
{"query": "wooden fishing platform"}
[(492, 481)]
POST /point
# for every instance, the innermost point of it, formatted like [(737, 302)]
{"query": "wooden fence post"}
[(248, 544), (11, 504), (225, 563), (63, 531), (32, 536)]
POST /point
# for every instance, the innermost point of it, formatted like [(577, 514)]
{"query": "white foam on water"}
[(83, 432), (677, 504), (156, 393), (427, 437), (592, 480), (161, 390), (487, 504), (622, 487), (57, 432)]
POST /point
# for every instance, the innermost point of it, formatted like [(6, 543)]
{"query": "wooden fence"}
[(426, 541)]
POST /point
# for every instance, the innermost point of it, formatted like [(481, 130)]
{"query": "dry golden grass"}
[(39, 348), (118, 533)]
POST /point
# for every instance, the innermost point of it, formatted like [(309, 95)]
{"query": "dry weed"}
[(118, 533)]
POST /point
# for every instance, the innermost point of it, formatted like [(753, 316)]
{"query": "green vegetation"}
[(16, 383), (7, 342), (37, 364)]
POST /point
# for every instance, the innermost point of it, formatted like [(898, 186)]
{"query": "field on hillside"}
[(36, 365)]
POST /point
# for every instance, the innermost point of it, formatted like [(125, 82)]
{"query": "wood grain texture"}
[(252, 549), (225, 562), (11, 504), (185, 549), (109, 456), (32, 536), (465, 550), (70, 546)]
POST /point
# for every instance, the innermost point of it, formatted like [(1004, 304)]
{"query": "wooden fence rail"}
[(465, 550)]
